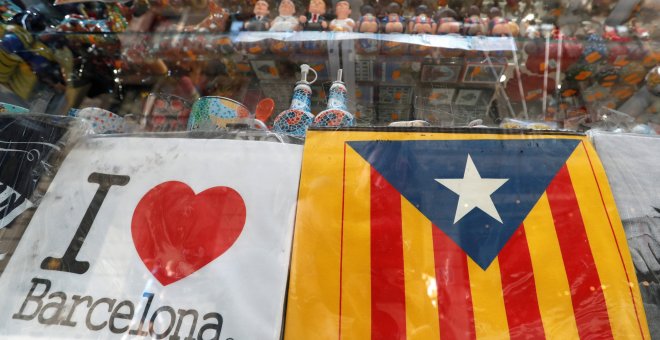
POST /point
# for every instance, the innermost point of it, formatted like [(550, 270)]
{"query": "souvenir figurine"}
[(499, 26), (336, 114), (446, 19), (368, 22), (285, 21), (447, 24), (342, 22), (421, 23), (260, 20), (394, 22), (216, 21), (473, 24), (315, 18), (298, 117)]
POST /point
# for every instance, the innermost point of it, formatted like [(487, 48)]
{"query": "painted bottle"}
[(298, 117), (336, 114)]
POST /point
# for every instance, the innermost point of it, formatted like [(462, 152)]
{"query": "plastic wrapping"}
[(27, 143), (632, 166), (157, 236), (459, 234)]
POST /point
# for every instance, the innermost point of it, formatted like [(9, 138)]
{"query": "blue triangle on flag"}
[(414, 167)]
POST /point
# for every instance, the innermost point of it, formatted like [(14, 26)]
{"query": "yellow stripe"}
[(313, 303), (488, 301), (601, 178), (338, 137), (616, 287), (552, 288), (419, 271), (356, 267)]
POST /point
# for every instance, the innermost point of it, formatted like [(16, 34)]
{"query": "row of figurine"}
[(425, 21), (165, 112)]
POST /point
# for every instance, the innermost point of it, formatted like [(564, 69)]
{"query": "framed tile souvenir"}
[(440, 96), (392, 113), (479, 73), (467, 97), (395, 71), (443, 73), (399, 95)]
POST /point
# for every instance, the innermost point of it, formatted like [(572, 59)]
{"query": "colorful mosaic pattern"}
[(103, 121), (10, 108), (213, 112), (302, 98), (166, 113), (334, 117), (337, 98), (293, 122), (298, 117), (337, 114)]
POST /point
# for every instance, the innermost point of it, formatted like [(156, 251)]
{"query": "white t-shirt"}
[(343, 24), (284, 23)]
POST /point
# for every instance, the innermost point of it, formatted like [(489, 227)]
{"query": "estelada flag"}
[(458, 235)]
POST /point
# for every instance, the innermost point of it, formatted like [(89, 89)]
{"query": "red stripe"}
[(454, 295), (586, 293), (388, 294), (522, 306)]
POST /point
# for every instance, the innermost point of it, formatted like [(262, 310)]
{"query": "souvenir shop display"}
[(198, 112)]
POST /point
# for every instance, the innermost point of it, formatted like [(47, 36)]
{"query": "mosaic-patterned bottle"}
[(337, 112), (298, 117)]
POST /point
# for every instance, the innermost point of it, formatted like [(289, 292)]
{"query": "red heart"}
[(176, 232)]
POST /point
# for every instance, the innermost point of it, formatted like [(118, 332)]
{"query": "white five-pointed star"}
[(474, 191)]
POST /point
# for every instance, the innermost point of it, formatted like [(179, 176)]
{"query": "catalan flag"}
[(458, 235)]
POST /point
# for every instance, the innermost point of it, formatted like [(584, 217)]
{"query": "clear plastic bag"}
[(460, 234), (158, 235)]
